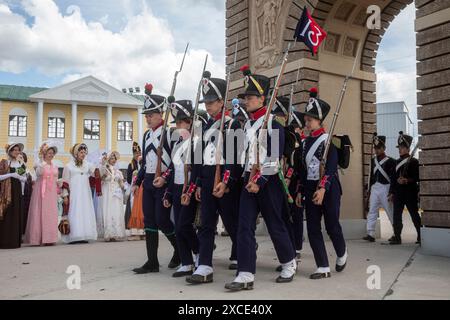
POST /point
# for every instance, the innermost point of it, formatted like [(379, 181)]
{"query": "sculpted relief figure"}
[(268, 13), (266, 25)]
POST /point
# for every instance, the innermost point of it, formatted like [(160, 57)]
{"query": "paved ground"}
[(40, 273)]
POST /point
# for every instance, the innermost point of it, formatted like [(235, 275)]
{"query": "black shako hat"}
[(181, 110), (404, 140), (153, 103), (316, 108), (213, 89), (379, 141), (282, 106), (298, 119), (255, 84)]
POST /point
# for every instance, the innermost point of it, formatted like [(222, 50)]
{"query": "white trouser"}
[(379, 199)]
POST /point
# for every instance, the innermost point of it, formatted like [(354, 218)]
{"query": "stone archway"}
[(345, 22)]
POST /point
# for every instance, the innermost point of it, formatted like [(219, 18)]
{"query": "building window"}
[(56, 127), (17, 126), (91, 129), (125, 131)]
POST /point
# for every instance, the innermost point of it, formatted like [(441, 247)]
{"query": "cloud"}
[(56, 44), (396, 61)]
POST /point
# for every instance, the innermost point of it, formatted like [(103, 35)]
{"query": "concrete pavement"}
[(40, 273)]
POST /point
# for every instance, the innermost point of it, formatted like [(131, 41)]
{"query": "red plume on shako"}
[(148, 88), (314, 92), (245, 69)]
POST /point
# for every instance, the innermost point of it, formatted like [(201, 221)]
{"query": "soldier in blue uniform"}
[(322, 197), (405, 188), (156, 216), (217, 199), (381, 175), (294, 184), (263, 191), (184, 216), (292, 153)]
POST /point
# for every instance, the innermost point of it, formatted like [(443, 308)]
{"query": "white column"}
[(39, 124), (140, 128), (109, 127), (74, 122)]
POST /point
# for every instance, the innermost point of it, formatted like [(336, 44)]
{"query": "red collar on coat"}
[(160, 125), (318, 132), (258, 113), (302, 136), (219, 115)]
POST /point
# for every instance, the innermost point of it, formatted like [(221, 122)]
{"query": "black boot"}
[(369, 238), (152, 264), (175, 261), (396, 240)]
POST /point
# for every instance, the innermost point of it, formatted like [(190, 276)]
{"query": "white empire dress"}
[(83, 226), (112, 203)]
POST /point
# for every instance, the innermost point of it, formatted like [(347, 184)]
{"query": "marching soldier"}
[(240, 114), (405, 188), (217, 199), (184, 216), (294, 181), (263, 192), (156, 216), (322, 198), (381, 175), (292, 154)]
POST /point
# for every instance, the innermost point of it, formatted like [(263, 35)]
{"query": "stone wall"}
[(433, 54)]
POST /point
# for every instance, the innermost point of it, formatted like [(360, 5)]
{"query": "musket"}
[(191, 136), (159, 151), (291, 98), (219, 150), (405, 167), (367, 204), (256, 169), (323, 162)]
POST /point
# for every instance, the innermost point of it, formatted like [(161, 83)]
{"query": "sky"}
[(128, 43), (396, 62)]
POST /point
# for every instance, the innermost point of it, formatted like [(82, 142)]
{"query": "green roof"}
[(17, 93), (138, 96)]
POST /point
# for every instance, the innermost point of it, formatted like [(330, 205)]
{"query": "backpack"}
[(344, 148)]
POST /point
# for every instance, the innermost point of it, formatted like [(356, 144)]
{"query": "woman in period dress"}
[(42, 226), (112, 199), (12, 181), (135, 221), (81, 214), (95, 182), (28, 190)]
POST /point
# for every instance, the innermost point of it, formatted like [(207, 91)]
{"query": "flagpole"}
[(291, 102)]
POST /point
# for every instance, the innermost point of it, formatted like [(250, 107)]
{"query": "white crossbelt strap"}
[(212, 130), (378, 167), (314, 148), (401, 164), (154, 138)]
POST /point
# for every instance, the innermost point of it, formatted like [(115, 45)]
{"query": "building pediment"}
[(87, 91)]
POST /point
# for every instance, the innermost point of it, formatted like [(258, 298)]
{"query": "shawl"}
[(5, 189)]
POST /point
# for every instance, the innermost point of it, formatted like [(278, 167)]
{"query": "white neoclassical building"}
[(86, 110)]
